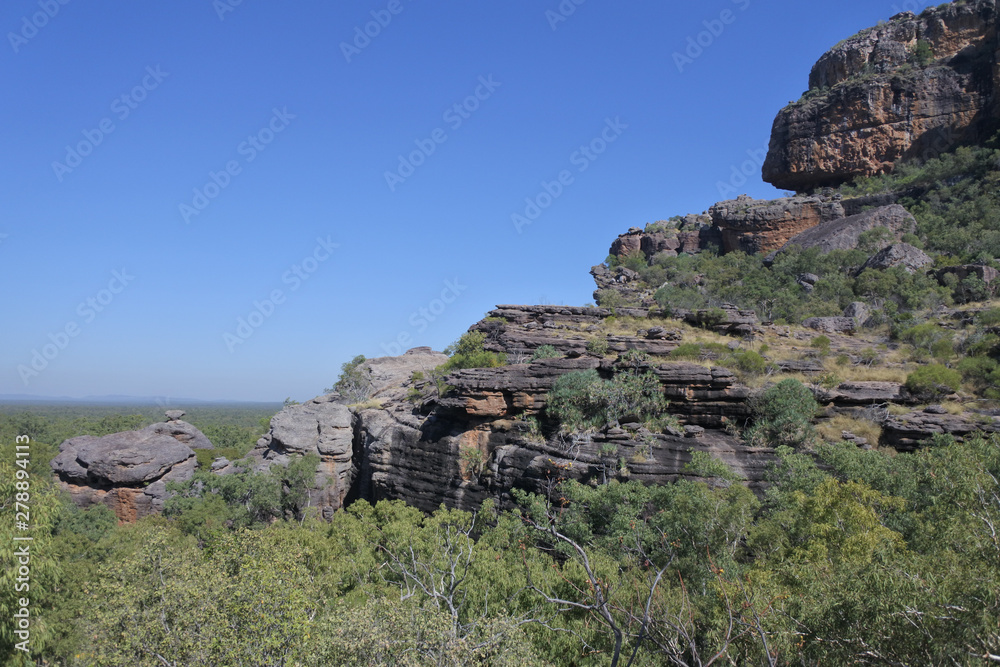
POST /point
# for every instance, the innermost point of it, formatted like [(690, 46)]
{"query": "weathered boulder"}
[(727, 319), (323, 427), (831, 324), (863, 393), (126, 471), (910, 431), (182, 432), (843, 234), (858, 311), (898, 254), (754, 226), (910, 88)]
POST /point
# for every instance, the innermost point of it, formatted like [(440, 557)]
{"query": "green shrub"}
[(700, 350), (933, 381), (869, 356), (544, 352), (468, 352), (821, 343), (747, 362), (782, 416), (473, 460), (923, 52), (686, 351), (988, 318), (610, 298), (354, 382), (570, 401), (581, 399), (597, 347)]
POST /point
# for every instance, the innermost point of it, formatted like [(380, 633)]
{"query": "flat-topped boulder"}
[(128, 471)]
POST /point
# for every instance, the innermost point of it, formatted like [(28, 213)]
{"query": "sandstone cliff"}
[(914, 87)]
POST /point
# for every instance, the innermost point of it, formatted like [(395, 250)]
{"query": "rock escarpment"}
[(129, 471), (755, 226), (914, 87)]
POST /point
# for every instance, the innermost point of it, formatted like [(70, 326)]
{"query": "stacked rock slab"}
[(481, 440), (129, 471)]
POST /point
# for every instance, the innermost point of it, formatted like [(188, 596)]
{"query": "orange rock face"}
[(909, 89), (755, 226), (490, 404)]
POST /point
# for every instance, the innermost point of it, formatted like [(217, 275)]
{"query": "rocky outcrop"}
[(910, 431), (754, 226), (898, 254), (863, 393), (831, 324), (129, 471), (727, 319), (386, 374), (323, 427), (911, 88), (489, 435), (843, 234), (690, 234), (518, 331), (986, 274)]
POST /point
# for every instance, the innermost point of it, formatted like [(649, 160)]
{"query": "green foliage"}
[(208, 503), (582, 400), (473, 460), (923, 52), (930, 340), (746, 362), (783, 415), (544, 352), (873, 240), (695, 351), (821, 343), (468, 352), (243, 602), (933, 381), (957, 200), (597, 347), (354, 382)]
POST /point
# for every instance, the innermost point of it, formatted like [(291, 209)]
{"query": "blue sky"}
[(171, 169)]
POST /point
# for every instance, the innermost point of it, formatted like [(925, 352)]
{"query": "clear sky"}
[(170, 169)]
